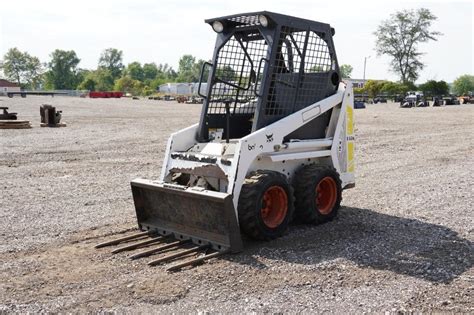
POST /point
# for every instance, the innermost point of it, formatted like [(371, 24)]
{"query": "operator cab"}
[(266, 66)]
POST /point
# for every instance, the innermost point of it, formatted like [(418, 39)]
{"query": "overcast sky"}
[(161, 32)]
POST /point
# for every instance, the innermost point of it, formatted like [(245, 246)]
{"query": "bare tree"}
[(399, 36)]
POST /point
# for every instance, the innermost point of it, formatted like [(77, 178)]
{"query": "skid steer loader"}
[(275, 140)]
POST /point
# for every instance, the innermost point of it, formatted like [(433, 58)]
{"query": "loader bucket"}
[(200, 215)]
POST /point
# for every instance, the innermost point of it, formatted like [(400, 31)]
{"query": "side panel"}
[(350, 137), (265, 140), (343, 149)]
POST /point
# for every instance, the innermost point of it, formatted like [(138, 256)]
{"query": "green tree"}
[(128, 85), (346, 71), (463, 84), (150, 71), (14, 65), (373, 87), (358, 90), (164, 74), (111, 60), (399, 36), (226, 73), (22, 68), (155, 84), (87, 84), (167, 72), (98, 80), (135, 71), (81, 75), (63, 72), (186, 69), (164, 68), (391, 88), (197, 71), (104, 79), (34, 74), (434, 88)]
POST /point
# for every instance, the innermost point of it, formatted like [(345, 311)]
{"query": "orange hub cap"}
[(326, 195), (274, 206)]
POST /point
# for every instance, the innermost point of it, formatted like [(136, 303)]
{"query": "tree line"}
[(374, 88), (461, 86), (63, 72)]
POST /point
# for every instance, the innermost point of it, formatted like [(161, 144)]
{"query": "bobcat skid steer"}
[(275, 140)]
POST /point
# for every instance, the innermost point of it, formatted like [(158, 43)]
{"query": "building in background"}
[(176, 88), (357, 83), (181, 88), (7, 86)]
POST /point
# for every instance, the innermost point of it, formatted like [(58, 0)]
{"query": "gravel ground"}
[(402, 241)]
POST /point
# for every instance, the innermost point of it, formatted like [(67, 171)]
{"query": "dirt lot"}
[(403, 240)]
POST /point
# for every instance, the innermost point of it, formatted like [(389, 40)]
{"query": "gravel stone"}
[(402, 241)]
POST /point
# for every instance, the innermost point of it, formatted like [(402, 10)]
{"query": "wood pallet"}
[(15, 124), (53, 126)]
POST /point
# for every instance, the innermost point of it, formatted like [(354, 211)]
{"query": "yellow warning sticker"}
[(350, 120), (350, 157)]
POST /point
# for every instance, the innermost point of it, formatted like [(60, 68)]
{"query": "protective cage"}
[(266, 66)]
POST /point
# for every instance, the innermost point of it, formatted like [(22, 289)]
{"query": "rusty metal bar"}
[(176, 255), (195, 261), (137, 245), (123, 239), (158, 249)]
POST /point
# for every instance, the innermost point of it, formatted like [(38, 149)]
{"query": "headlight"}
[(217, 26), (263, 20)]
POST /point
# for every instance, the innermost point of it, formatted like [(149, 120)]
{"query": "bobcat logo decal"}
[(269, 137)]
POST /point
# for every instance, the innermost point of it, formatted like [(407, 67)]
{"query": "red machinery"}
[(107, 94)]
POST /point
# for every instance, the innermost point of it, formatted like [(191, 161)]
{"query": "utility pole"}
[(365, 63)]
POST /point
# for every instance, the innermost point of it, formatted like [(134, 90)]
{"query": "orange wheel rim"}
[(326, 195), (274, 206)]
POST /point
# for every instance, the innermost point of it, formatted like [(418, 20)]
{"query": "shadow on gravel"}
[(370, 239)]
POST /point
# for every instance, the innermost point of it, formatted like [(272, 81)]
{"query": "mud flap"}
[(203, 216)]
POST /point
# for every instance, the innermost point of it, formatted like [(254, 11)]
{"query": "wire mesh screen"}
[(318, 58), (302, 65), (236, 74)]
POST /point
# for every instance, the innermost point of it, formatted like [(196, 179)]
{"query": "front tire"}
[(265, 205), (318, 194)]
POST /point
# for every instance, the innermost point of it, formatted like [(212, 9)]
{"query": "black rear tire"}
[(253, 219), (309, 207)]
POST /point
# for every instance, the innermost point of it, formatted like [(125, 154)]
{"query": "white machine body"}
[(223, 166)]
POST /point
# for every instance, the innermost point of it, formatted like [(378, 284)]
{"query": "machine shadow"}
[(371, 239)]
